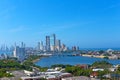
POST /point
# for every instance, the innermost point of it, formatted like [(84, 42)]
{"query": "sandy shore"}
[(86, 55), (35, 60)]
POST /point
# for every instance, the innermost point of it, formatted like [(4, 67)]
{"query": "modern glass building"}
[(58, 45), (47, 43), (53, 42)]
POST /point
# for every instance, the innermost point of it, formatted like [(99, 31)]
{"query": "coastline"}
[(38, 59), (34, 61), (45, 62), (86, 55)]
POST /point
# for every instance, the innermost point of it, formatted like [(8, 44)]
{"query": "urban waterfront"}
[(59, 40), (72, 60)]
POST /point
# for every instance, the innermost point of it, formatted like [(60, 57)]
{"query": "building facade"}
[(58, 45), (53, 42), (19, 52), (47, 43)]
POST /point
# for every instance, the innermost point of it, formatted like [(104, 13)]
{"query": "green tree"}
[(101, 51), (118, 70), (77, 71), (101, 64), (106, 57)]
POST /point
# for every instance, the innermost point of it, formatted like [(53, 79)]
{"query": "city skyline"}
[(51, 43), (87, 24)]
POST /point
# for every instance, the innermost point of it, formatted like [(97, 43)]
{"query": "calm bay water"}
[(72, 60)]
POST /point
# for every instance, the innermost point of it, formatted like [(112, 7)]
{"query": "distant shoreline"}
[(38, 59), (34, 61), (86, 55)]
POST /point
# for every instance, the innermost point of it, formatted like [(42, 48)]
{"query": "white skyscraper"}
[(53, 42), (41, 46)]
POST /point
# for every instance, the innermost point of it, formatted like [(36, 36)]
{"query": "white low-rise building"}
[(32, 78), (77, 78), (98, 69), (112, 69), (29, 73)]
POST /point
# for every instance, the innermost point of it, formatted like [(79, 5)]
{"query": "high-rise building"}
[(22, 44), (58, 45), (11, 48), (38, 47), (74, 48), (64, 48), (77, 48), (53, 42), (41, 46), (19, 52), (47, 43)]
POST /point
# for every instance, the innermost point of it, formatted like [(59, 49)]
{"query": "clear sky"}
[(86, 23)]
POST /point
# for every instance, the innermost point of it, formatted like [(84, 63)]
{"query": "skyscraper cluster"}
[(6, 48), (51, 44)]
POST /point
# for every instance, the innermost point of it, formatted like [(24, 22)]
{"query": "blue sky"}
[(86, 23)]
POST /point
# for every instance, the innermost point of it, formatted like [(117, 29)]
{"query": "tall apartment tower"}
[(19, 52), (41, 46), (53, 42), (58, 45), (47, 43)]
